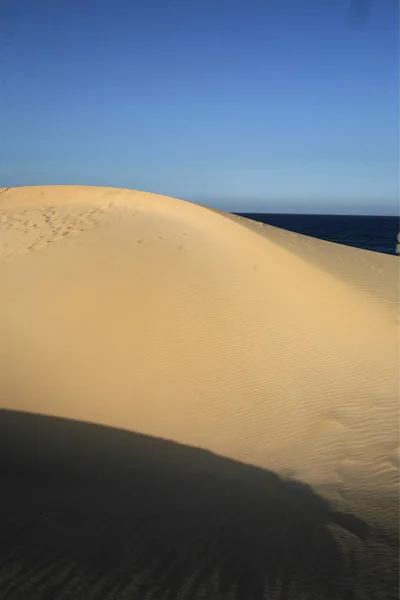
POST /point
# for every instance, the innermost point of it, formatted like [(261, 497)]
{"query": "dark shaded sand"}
[(90, 512)]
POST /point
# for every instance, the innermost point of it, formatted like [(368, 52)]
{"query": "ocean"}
[(378, 234)]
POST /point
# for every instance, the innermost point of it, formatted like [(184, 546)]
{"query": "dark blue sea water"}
[(370, 233)]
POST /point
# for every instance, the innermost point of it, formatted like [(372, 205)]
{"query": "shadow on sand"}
[(91, 512)]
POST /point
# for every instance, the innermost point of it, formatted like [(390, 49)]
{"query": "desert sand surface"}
[(149, 339)]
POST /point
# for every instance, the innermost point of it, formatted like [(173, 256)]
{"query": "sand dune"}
[(169, 319)]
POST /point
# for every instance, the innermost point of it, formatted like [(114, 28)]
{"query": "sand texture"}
[(244, 353)]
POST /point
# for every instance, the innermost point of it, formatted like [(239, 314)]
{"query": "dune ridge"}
[(168, 319)]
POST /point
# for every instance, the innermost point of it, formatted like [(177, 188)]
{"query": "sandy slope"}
[(166, 318)]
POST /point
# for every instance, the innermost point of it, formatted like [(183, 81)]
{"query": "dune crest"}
[(167, 318)]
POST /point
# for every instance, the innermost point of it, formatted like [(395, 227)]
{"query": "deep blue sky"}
[(265, 105)]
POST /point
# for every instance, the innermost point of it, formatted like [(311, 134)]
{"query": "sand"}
[(168, 319)]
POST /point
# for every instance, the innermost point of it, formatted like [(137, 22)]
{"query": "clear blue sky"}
[(268, 105)]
